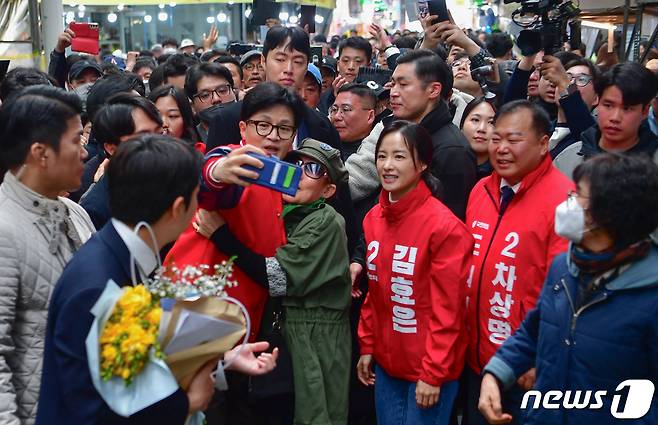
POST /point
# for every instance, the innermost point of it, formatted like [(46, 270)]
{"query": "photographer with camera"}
[(574, 95), (475, 70), (564, 85)]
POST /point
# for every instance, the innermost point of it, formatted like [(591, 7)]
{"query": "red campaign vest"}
[(412, 319), (511, 255), (257, 222)]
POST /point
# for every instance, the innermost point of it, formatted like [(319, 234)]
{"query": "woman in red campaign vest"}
[(411, 327)]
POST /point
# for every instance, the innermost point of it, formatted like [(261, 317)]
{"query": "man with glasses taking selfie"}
[(311, 272), (287, 51)]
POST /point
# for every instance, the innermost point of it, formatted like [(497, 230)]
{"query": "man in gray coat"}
[(40, 147)]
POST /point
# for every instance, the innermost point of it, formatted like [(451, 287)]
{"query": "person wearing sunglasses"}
[(311, 273), (575, 98)]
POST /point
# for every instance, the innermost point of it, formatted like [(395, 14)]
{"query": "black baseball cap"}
[(329, 63), (80, 66)]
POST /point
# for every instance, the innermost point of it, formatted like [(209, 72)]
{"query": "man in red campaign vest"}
[(511, 216)]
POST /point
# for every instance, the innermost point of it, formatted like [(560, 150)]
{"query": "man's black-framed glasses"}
[(264, 129), (581, 80), (219, 91)]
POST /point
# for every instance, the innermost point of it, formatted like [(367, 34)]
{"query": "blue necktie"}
[(506, 195)]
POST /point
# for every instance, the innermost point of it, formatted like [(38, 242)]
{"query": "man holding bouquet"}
[(136, 179)]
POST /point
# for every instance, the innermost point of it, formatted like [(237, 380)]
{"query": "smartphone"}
[(434, 7), (308, 17), (276, 174), (86, 37), (316, 55)]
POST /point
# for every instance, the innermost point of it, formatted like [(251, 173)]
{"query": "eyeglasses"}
[(264, 129), (572, 196), (581, 80), (345, 109), (219, 91), (250, 67), (312, 170), (458, 63)]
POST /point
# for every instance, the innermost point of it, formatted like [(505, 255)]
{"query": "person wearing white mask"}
[(82, 75), (594, 325)]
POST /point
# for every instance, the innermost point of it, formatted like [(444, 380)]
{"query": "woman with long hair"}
[(177, 116), (410, 330), (477, 126)]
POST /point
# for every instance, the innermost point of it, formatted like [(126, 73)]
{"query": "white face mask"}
[(570, 220), (83, 90)]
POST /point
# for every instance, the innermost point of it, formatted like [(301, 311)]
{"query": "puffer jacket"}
[(612, 338), (37, 238)]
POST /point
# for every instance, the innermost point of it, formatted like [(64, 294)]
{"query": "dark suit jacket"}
[(453, 160), (91, 167), (97, 203), (224, 131), (68, 396)]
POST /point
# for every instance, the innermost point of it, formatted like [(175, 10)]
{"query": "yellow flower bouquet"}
[(150, 339), (130, 333)]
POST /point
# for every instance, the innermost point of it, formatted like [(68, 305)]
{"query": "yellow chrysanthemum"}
[(135, 299), (129, 334), (154, 316), (109, 353)]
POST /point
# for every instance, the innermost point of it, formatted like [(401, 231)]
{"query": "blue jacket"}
[(612, 338), (68, 396)]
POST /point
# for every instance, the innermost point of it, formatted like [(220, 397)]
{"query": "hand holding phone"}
[(307, 20), (85, 39), (64, 40), (233, 168), (276, 174), (436, 8)]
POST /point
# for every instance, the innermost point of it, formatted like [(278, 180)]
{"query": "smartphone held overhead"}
[(86, 37), (434, 8), (307, 17)]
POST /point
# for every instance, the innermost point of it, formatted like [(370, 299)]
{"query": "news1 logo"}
[(631, 399)]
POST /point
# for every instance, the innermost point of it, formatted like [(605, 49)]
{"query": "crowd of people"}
[(468, 225)]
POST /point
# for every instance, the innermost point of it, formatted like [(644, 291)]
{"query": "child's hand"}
[(355, 270), (364, 370)]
